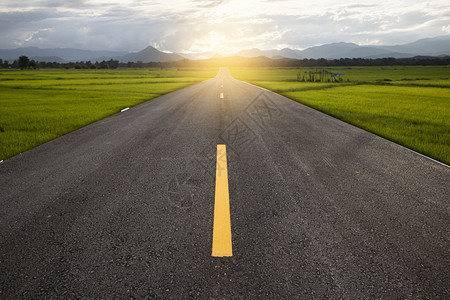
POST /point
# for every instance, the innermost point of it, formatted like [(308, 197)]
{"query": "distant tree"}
[(103, 65), (113, 64), (23, 62), (32, 64)]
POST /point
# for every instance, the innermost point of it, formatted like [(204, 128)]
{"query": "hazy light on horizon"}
[(220, 26)]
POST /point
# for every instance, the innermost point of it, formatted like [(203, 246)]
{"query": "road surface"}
[(124, 208)]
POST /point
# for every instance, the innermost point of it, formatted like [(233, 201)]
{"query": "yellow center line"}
[(221, 95), (222, 225)]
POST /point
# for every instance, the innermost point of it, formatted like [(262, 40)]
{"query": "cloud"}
[(219, 25), (210, 3)]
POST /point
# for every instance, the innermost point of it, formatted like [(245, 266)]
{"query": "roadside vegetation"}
[(407, 105), (37, 106)]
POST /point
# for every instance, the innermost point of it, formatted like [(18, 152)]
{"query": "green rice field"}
[(37, 106), (407, 105)]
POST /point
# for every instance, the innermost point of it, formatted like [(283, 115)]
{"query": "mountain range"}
[(427, 47), (437, 46), (61, 54)]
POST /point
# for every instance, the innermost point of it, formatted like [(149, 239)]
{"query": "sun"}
[(213, 41)]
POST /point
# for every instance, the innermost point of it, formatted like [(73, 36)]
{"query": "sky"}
[(220, 26)]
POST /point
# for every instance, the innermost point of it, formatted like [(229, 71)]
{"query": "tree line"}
[(289, 63), (25, 63)]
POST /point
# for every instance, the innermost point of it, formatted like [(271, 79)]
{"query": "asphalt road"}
[(123, 208)]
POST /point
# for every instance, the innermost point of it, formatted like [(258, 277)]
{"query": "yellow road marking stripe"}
[(222, 225), (221, 95)]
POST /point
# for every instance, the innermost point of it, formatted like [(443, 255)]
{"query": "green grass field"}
[(37, 106), (408, 105)]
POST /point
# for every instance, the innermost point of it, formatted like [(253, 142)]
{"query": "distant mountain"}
[(437, 46), (290, 53), (150, 54), (329, 51), (66, 54), (430, 46), (335, 50), (349, 50), (284, 53), (427, 47), (62, 55), (252, 53)]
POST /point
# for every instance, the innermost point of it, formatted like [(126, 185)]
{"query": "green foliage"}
[(412, 108), (40, 105), (23, 62)]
